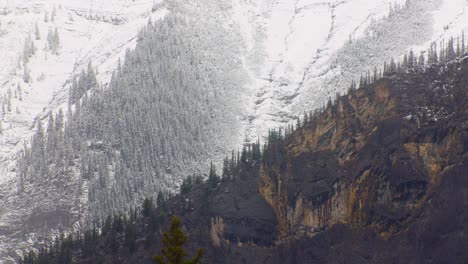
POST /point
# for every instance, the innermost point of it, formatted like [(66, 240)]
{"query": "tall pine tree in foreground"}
[(173, 251)]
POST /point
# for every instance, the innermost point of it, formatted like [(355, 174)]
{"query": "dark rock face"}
[(380, 177)]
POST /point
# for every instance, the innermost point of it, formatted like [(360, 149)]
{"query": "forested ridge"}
[(160, 117), (133, 234)]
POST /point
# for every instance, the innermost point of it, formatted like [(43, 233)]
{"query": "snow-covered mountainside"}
[(307, 50), (293, 55), (88, 31)]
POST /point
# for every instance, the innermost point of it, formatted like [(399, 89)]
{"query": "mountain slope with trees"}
[(377, 176), (204, 76)]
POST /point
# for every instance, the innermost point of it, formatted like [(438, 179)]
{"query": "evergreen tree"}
[(393, 66), (37, 32), (173, 251), (53, 40), (54, 13), (28, 49), (405, 62), (51, 140), (131, 235), (450, 53), (463, 44), (212, 177), (226, 167), (148, 207), (160, 200), (411, 59), (421, 60), (26, 74)]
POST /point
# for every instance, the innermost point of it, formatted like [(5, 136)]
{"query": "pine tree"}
[(9, 107), (243, 154), (212, 177), (421, 60), (51, 141), (53, 40), (405, 62), (433, 56), (374, 77), (393, 66), (54, 13), (36, 32), (463, 44), (26, 74), (173, 251), (28, 49), (442, 51), (148, 207), (450, 53), (225, 167), (411, 59), (131, 235)]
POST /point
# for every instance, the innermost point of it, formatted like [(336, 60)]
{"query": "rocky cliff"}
[(380, 176)]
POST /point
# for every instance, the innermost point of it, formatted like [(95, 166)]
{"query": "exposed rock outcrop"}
[(381, 176), (377, 177)]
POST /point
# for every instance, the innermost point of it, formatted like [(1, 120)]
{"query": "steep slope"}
[(159, 118), (88, 31), (314, 49), (277, 59), (378, 177), (94, 31)]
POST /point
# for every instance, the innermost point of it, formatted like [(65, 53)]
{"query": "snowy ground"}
[(97, 31), (297, 64), (297, 54)]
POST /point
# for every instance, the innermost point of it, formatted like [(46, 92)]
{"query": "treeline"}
[(122, 234), (105, 237), (442, 52), (138, 228)]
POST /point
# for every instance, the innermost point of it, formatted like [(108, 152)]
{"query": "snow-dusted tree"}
[(53, 40), (20, 92), (9, 106), (404, 63), (51, 136), (53, 14), (442, 53), (46, 16), (29, 49), (450, 50), (393, 66), (411, 59), (37, 33), (421, 60), (463, 45), (26, 74), (82, 84), (37, 155), (432, 56)]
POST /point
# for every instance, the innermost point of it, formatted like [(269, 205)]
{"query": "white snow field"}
[(296, 55)]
